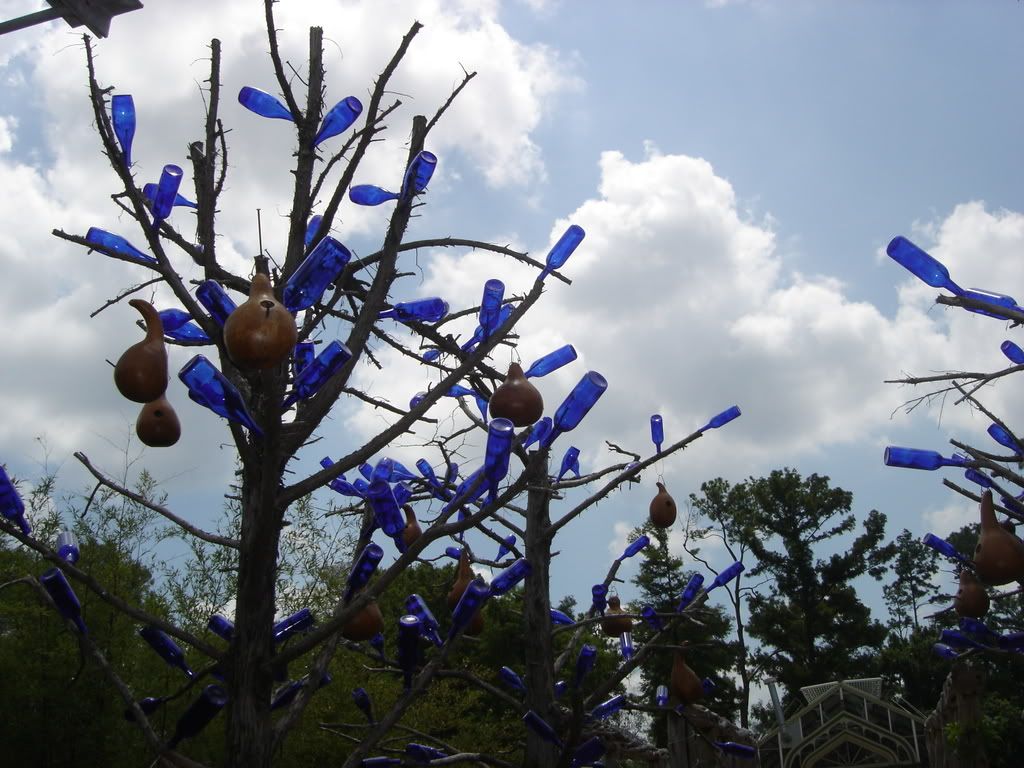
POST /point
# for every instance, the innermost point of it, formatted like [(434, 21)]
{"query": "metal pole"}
[(30, 20)]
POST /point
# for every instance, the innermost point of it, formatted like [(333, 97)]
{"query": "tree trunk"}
[(540, 693)]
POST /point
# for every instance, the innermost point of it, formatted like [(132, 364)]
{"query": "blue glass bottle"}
[(561, 618), (650, 615), (470, 602), (117, 244), (323, 367), (508, 579), (149, 192), (429, 310), (661, 696), (511, 679), (122, 115), (221, 627), (417, 606), (490, 306), (421, 753), (921, 264), (1013, 353), (263, 104), (742, 751), (340, 484), (419, 173), (338, 119), (989, 297), (364, 567), (362, 700), (608, 708), (148, 705), (199, 714), (943, 547), (570, 462), (166, 192), (386, 510), (721, 419), (506, 547), (588, 752), (215, 300), (64, 597), (945, 652), (402, 493), (305, 351), (560, 688), (320, 268), (577, 404), (11, 505), (540, 726), (211, 389), (1004, 438), (600, 597), (562, 250), (181, 327), (723, 578), (635, 546), (980, 478), (382, 470), (286, 695), (693, 586), (312, 227), (408, 647), (67, 546), (657, 432), (455, 553), (166, 648), (551, 362), (500, 434), (956, 639), (626, 645), (297, 623), (585, 661), (369, 194), (914, 458)]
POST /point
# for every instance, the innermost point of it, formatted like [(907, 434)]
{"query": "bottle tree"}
[(992, 471), (274, 366)]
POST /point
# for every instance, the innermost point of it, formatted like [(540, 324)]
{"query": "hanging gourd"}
[(463, 577), (365, 624), (971, 598), (684, 683), (141, 372), (158, 425), (615, 622), (516, 399), (663, 508), (412, 530), (999, 556), (260, 333)]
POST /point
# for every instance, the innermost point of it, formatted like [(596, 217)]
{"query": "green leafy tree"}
[(812, 626), (914, 567)]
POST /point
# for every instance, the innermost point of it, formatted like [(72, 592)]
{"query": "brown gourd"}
[(615, 621), (971, 598), (412, 529), (999, 556), (158, 425), (663, 508), (516, 399), (141, 372), (365, 624), (260, 333), (463, 577), (684, 683)]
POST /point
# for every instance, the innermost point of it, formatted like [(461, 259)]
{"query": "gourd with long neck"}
[(365, 624), (663, 508), (516, 399), (971, 598), (999, 556), (158, 425), (141, 372), (412, 530), (615, 622), (463, 577), (684, 683), (260, 333)]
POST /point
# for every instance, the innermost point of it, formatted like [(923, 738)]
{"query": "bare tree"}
[(278, 410)]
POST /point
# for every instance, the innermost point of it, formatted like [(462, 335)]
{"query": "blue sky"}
[(738, 166)]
